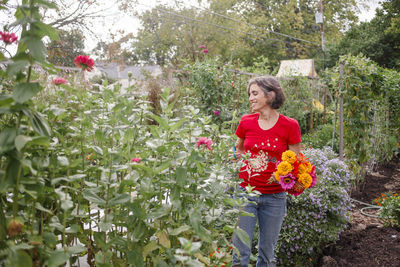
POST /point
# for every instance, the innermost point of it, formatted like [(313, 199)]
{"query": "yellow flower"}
[(305, 179), (309, 167), (277, 174), (302, 168), (284, 167), (289, 156)]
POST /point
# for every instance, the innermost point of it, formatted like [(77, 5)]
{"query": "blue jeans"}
[(269, 210)]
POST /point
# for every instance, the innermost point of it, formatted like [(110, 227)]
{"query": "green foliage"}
[(390, 204), (218, 87), (63, 51), (377, 39)]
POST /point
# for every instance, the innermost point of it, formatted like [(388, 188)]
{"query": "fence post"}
[(341, 112)]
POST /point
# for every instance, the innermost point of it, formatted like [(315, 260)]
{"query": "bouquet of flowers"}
[(294, 173)]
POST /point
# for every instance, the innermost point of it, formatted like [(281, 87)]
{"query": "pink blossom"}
[(205, 51), (137, 160), (84, 62), (8, 37), (287, 181), (204, 141), (313, 175), (59, 81), (202, 47), (216, 113)]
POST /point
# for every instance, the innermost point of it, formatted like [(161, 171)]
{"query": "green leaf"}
[(16, 67), (22, 140), (120, 199), (149, 248), (47, 4), (77, 249), (7, 137), (46, 30), (20, 259), (5, 100), (92, 197), (243, 236), (58, 257), (11, 174), (36, 48), (181, 176), (25, 91), (163, 123), (163, 239), (39, 125), (179, 230), (41, 208), (177, 125), (135, 258)]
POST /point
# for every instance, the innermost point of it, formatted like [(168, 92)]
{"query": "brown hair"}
[(268, 84)]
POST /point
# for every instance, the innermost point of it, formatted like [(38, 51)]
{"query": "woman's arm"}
[(295, 148), (239, 148)]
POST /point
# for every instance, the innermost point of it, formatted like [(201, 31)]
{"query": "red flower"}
[(8, 37), (84, 62), (204, 141), (205, 51), (137, 160), (58, 81), (216, 113)]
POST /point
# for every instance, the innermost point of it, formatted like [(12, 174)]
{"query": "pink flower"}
[(202, 47), (137, 160), (313, 175), (58, 81), (84, 62), (216, 113), (287, 181), (8, 37), (204, 141), (205, 51)]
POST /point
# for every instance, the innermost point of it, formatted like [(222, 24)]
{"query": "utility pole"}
[(319, 19)]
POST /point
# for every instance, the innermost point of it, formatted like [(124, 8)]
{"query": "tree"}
[(378, 39), (239, 30), (63, 51)]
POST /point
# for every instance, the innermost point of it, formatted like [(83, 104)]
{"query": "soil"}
[(367, 242)]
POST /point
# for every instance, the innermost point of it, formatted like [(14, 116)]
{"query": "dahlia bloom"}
[(58, 81), (216, 113), (204, 141), (205, 51), (287, 181), (8, 37), (84, 62), (137, 160)]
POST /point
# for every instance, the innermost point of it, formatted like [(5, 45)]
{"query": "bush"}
[(322, 209), (390, 203)]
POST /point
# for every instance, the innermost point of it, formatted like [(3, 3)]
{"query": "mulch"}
[(367, 242)]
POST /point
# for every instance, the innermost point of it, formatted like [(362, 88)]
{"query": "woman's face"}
[(258, 99)]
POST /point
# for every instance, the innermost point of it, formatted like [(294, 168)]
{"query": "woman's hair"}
[(268, 84)]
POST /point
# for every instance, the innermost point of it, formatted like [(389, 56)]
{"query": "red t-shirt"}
[(266, 147)]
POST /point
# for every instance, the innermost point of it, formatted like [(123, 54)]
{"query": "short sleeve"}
[(295, 133), (240, 131)]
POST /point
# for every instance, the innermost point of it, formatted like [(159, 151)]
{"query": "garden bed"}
[(367, 242)]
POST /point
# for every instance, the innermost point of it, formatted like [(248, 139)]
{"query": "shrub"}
[(390, 203), (322, 209)]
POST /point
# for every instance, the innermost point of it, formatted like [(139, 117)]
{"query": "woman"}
[(263, 136)]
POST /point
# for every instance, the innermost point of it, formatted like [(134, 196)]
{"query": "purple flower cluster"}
[(319, 215)]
